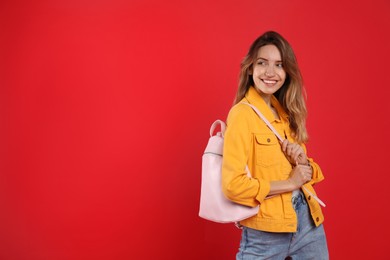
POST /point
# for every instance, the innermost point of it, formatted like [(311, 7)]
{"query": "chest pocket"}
[(267, 150)]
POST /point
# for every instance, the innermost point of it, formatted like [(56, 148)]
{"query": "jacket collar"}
[(254, 98)]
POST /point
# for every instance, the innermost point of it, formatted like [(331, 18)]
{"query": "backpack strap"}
[(215, 125), (265, 121)]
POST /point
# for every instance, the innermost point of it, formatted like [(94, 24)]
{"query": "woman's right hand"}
[(300, 175)]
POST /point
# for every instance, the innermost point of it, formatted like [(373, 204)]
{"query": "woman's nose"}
[(269, 71)]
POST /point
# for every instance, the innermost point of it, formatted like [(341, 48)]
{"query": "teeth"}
[(269, 81)]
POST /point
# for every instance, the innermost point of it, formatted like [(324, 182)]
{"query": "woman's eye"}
[(279, 65), (262, 63)]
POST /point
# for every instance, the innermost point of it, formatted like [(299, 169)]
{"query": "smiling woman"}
[(280, 189)]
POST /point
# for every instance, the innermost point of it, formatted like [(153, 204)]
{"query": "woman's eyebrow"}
[(261, 58)]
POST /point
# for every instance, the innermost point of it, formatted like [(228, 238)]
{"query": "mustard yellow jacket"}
[(248, 141)]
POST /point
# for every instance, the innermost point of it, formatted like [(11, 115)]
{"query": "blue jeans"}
[(309, 242)]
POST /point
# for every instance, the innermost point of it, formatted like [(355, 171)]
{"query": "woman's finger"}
[(289, 149), (284, 145), (295, 152)]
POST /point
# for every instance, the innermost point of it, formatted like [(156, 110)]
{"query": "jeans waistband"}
[(298, 200)]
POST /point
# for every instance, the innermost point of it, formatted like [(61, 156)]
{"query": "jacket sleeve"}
[(236, 185), (317, 173)]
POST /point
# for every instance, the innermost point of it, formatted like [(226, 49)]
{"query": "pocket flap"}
[(266, 139)]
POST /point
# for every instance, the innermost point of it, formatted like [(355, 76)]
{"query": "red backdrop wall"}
[(106, 108)]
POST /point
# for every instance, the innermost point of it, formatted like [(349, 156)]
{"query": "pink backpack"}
[(214, 206)]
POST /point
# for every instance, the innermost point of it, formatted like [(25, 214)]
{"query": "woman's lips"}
[(267, 81)]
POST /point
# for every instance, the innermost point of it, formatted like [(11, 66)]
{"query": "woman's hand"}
[(294, 153), (300, 175)]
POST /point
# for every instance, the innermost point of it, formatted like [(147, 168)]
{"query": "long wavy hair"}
[(291, 94)]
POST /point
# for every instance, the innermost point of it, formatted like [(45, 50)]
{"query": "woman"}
[(289, 222)]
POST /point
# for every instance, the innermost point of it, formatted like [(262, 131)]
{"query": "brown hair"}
[(291, 94)]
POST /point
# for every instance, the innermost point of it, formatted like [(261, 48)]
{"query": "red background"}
[(106, 107)]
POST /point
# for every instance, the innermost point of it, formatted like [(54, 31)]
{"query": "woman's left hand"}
[(294, 153)]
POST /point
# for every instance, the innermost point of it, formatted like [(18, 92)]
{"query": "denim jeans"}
[(309, 242)]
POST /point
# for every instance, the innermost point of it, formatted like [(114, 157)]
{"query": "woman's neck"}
[(267, 99)]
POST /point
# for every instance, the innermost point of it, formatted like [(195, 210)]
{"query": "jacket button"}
[(317, 219), (268, 140), (309, 198)]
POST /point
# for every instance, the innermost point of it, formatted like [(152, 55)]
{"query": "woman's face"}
[(268, 73)]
